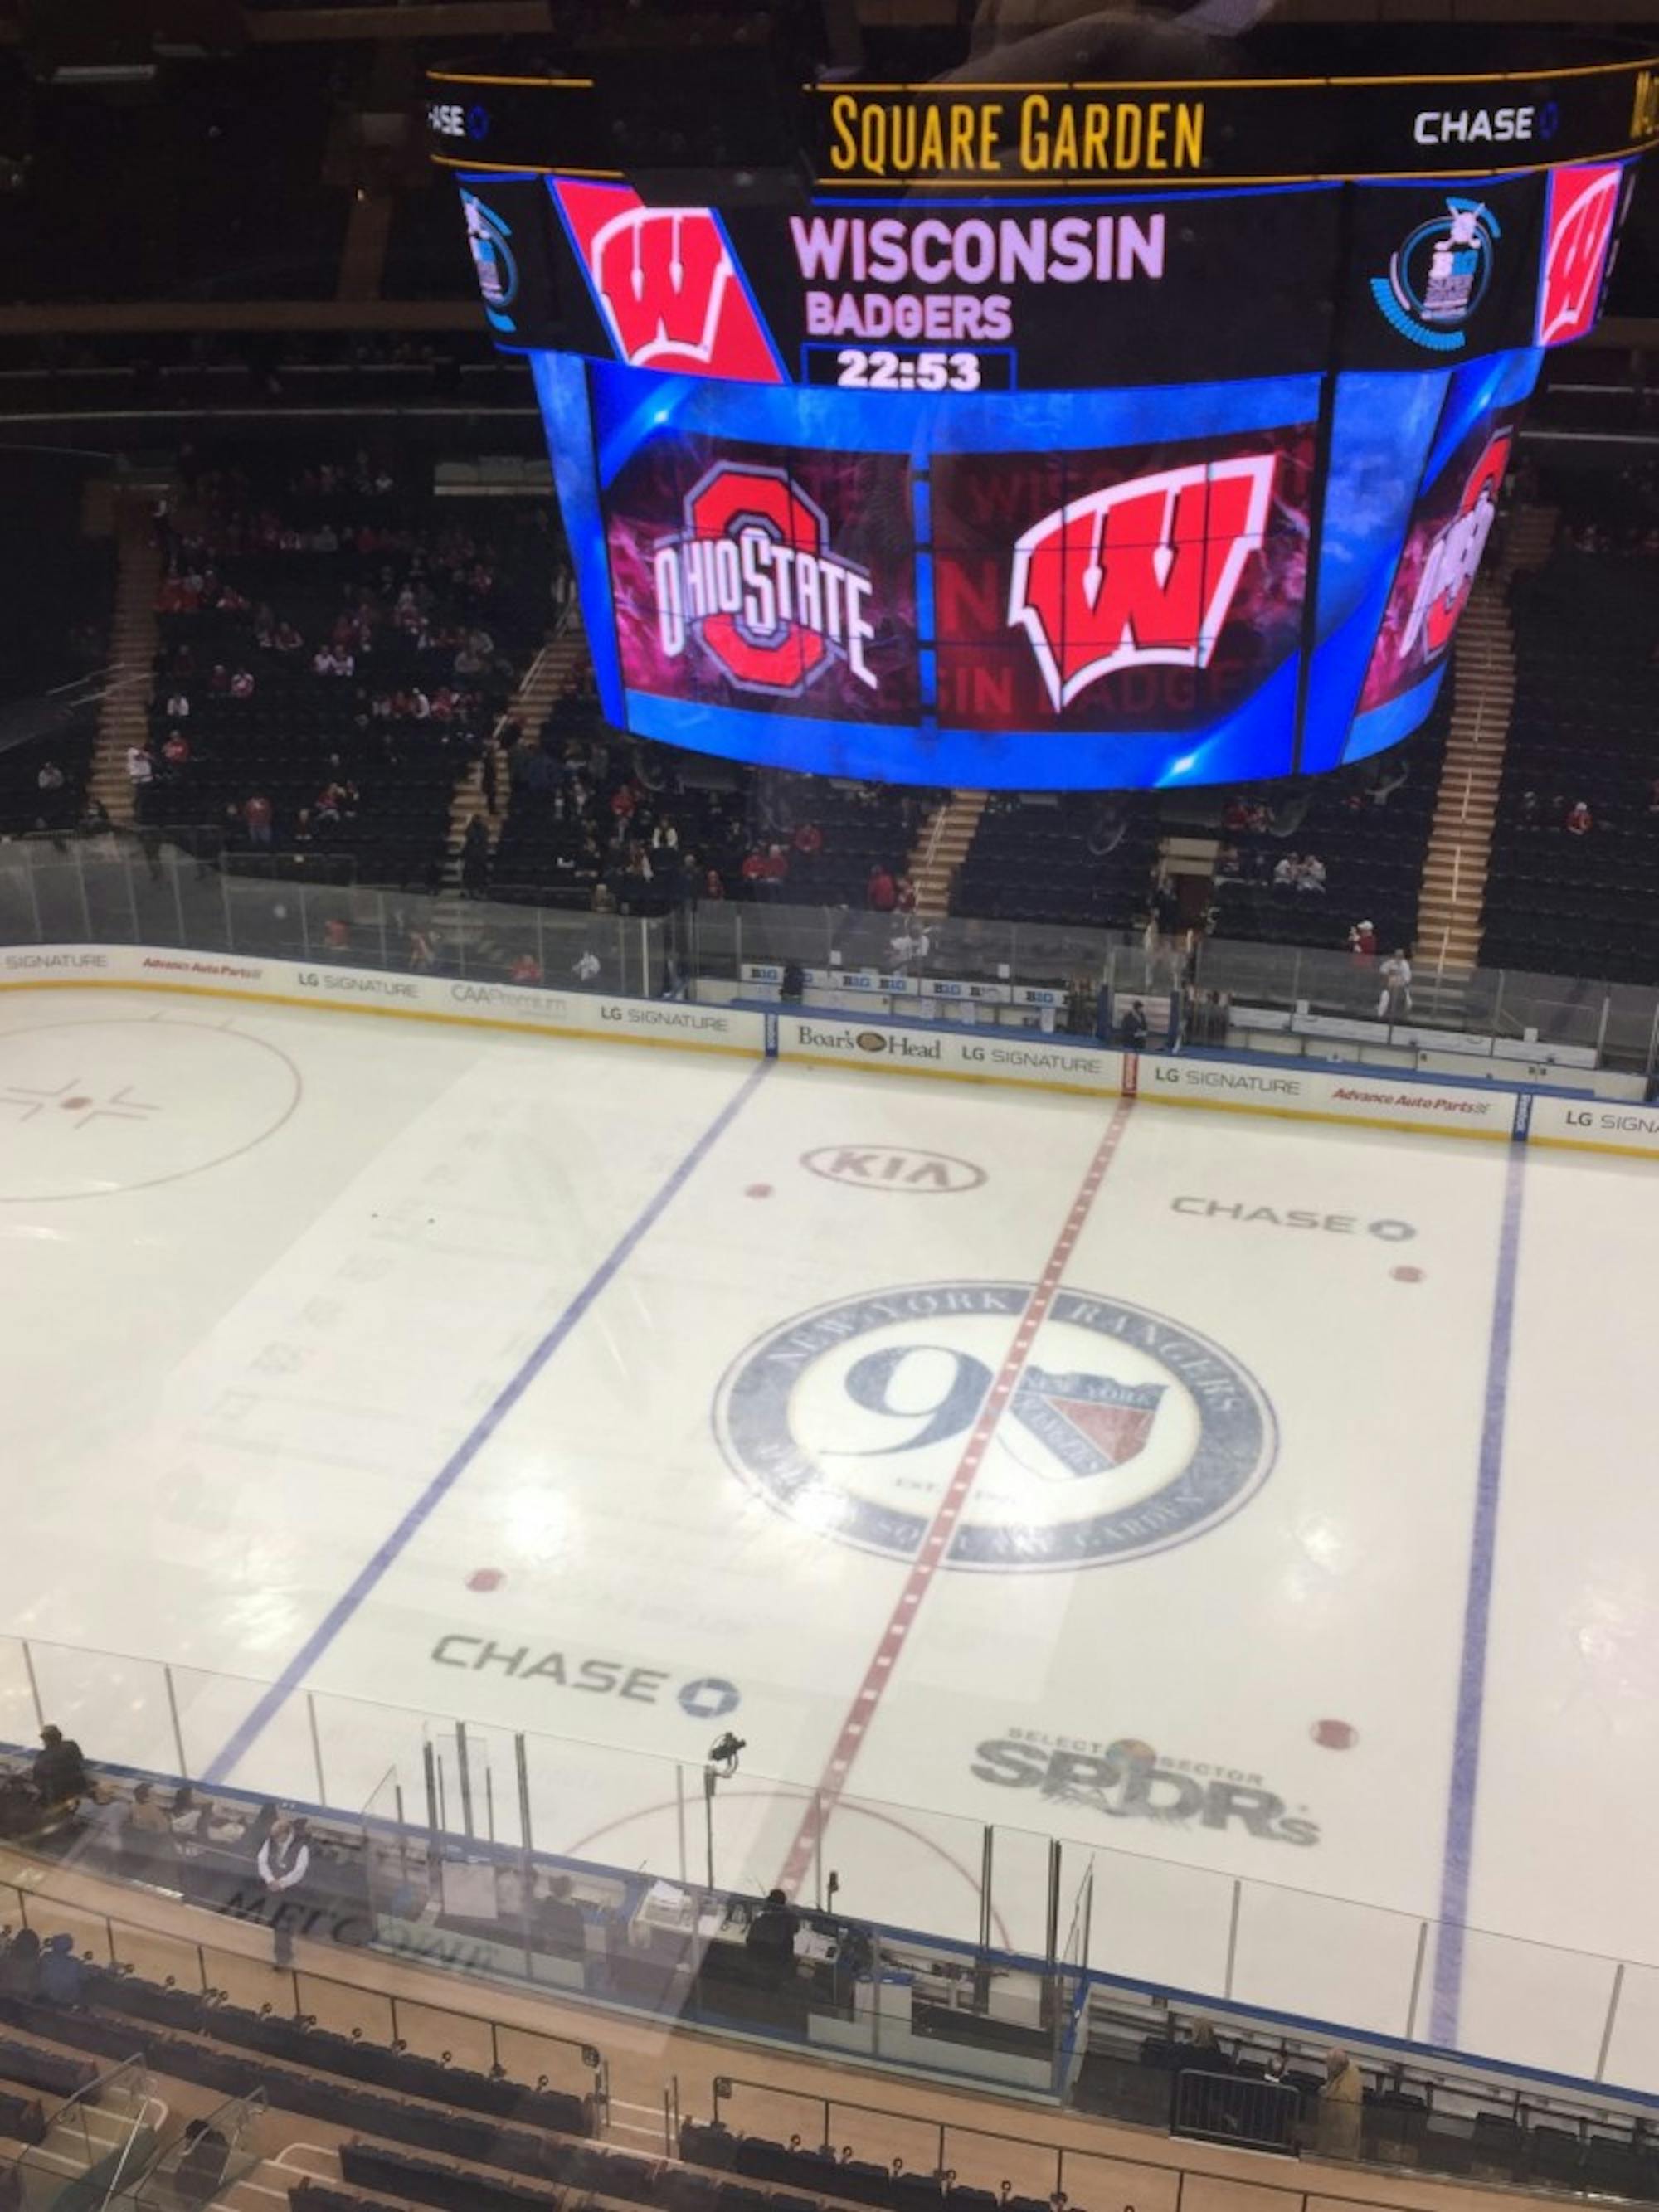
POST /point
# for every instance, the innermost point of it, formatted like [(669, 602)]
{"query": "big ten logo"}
[(752, 577), (1142, 573), (667, 285), (1454, 558), (1583, 206), (890, 1168)]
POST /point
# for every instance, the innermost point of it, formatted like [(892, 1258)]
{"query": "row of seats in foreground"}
[(439, 2135), (419, 2103), (820, 2173)]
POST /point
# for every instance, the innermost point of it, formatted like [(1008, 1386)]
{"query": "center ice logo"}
[(1124, 1433)]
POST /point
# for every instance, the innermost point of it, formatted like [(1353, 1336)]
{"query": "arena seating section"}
[(1370, 827), (1066, 857), (429, 2132), (1584, 727), (586, 806), (256, 552)]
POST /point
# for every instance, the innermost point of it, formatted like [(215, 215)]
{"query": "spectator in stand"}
[(141, 770), (1580, 821), (1394, 1002), (256, 820), (187, 1815), (94, 818), (808, 840), (62, 1976), (475, 859), (560, 1926), (283, 1859), (104, 1817), (1310, 876), (199, 2176), (1530, 810), (241, 684), (287, 639), (489, 775), (881, 892), (58, 1771), (336, 934), (50, 785), (178, 706), (175, 753), (20, 1968), (147, 1839), (1362, 941), (1288, 873), (770, 1942), (219, 680), (713, 884), (1341, 2102), (904, 895), (525, 969)]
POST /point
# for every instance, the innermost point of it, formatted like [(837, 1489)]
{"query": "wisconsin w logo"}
[(1144, 572), (667, 285), (1582, 205)]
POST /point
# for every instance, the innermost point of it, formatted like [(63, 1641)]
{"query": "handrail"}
[(725, 2085), (592, 2060)]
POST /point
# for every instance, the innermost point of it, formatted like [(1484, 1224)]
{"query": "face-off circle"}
[(1124, 1432), (91, 1109)]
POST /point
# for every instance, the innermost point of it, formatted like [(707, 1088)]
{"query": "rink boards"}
[(1484, 1109)]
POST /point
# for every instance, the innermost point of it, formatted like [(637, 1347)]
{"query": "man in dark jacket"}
[(59, 1773), (770, 1942)]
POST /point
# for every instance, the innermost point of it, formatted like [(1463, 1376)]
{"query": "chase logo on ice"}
[(1124, 1433)]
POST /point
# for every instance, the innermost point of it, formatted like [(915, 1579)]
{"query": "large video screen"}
[(1093, 491)]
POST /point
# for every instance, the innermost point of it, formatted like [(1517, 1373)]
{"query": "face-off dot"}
[(758, 1190), (1334, 1735), (485, 1578), (1406, 1274)]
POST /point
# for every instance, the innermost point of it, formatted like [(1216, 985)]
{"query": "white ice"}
[(265, 1272)]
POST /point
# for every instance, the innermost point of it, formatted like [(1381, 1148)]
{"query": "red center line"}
[(943, 1526)]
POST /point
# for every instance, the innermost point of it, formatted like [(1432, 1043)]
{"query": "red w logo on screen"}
[(667, 285), (752, 575), (1582, 205), (1448, 571), (1144, 572)]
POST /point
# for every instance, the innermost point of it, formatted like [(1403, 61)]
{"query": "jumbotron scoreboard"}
[(1096, 434)]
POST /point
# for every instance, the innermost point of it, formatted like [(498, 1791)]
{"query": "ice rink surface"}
[(1230, 1499)]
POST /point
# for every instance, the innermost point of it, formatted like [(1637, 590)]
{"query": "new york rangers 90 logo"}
[(1146, 572), (752, 576), (1454, 558)]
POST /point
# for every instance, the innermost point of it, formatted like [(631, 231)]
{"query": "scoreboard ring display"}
[(1125, 432)]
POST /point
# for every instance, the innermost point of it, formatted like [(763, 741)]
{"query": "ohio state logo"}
[(752, 577), (1454, 558), (1146, 572), (1582, 208), (665, 282)]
